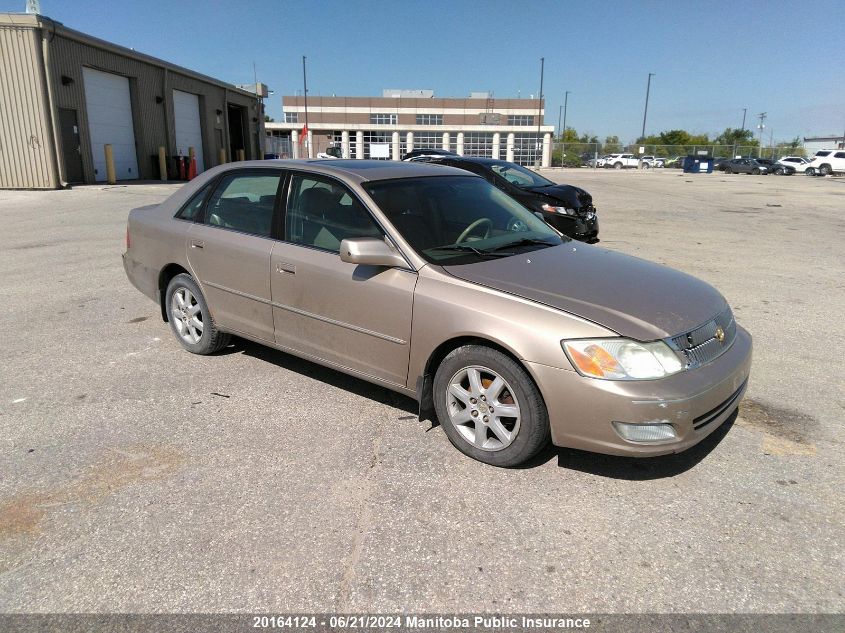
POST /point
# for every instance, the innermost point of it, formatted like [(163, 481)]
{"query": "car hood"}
[(635, 298), (572, 197)]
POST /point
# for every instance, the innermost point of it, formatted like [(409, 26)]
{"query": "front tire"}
[(755, 172), (728, 170), (825, 170), (489, 407), (617, 166), (190, 319)]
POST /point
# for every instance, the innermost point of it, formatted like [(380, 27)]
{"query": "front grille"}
[(701, 345), (703, 420)]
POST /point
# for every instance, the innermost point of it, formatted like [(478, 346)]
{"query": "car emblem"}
[(720, 335)]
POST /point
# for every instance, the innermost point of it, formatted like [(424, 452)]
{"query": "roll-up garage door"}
[(109, 110), (186, 113)]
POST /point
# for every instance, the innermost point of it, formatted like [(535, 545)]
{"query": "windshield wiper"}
[(465, 248), (525, 241)]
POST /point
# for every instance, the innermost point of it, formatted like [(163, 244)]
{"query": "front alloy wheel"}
[(482, 408), (489, 407)]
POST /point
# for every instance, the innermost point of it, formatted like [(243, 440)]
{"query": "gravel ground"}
[(136, 477)]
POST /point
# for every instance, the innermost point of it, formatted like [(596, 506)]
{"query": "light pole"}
[(559, 129), (744, 110), (539, 112), (645, 112), (565, 103), (760, 128), (305, 95)]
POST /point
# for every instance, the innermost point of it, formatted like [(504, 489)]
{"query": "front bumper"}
[(579, 227), (695, 402)]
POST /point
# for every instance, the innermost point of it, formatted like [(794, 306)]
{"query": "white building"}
[(389, 126)]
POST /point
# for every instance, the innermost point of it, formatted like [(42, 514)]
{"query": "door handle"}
[(197, 244), (284, 268)]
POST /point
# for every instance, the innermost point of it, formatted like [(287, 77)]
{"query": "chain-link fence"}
[(593, 154)]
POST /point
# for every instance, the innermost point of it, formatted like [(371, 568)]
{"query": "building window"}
[(429, 119), (478, 144), (383, 142), (428, 140), (291, 117), (520, 119), (383, 119)]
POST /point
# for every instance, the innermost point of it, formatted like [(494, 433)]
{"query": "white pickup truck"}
[(621, 161)]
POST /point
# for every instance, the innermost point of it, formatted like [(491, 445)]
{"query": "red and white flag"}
[(304, 134)]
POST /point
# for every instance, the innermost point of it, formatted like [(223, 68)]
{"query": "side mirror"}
[(370, 251)]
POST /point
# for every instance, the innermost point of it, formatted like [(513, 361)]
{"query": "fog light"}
[(645, 432)]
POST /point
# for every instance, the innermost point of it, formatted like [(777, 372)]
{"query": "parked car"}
[(826, 162), (676, 162), (567, 208), (720, 162), (652, 161), (517, 336), (776, 168), (745, 166), (598, 162), (798, 163), (426, 153), (621, 161)]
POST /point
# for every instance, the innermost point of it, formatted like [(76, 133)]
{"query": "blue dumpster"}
[(698, 165)]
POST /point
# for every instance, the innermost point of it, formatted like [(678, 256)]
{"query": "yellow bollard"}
[(162, 163), (241, 155), (111, 178), (221, 156)]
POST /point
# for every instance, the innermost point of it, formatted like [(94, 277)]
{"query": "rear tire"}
[(190, 319), (617, 166), (779, 171), (470, 382), (810, 171), (728, 170), (755, 172), (825, 170)]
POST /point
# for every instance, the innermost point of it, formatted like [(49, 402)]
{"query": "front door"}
[(356, 317), (230, 251), (71, 146)]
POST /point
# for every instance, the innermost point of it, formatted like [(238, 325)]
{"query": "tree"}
[(612, 145), (734, 136), (268, 119)]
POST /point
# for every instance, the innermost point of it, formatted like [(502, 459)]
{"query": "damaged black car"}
[(567, 208)]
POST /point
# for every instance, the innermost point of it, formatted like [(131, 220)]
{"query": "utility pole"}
[(539, 112), (744, 110), (305, 94), (645, 112), (559, 129), (760, 127)]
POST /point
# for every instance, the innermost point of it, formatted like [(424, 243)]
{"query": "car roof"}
[(355, 170)]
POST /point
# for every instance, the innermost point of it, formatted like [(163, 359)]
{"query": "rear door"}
[(357, 317), (229, 251)]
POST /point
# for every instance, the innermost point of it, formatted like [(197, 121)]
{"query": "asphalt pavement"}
[(135, 477)]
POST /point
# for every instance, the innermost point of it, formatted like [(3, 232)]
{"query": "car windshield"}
[(518, 175), (460, 219)]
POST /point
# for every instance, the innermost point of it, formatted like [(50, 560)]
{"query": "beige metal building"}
[(64, 95), (402, 120)]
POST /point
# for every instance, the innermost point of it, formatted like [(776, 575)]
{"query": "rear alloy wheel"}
[(190, 319), (617, 166), (779, 171), (728, 170), (810, 171), (489, 407), (755, 172), (825, 170)]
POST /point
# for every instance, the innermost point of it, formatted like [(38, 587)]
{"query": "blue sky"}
[(711, 58)]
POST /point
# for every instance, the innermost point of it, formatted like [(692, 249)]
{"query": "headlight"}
[(622, 359), (561, 210)]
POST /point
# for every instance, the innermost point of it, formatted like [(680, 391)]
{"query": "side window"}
[(244, 202), (839, 155), (191, 210), (321, 213)]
